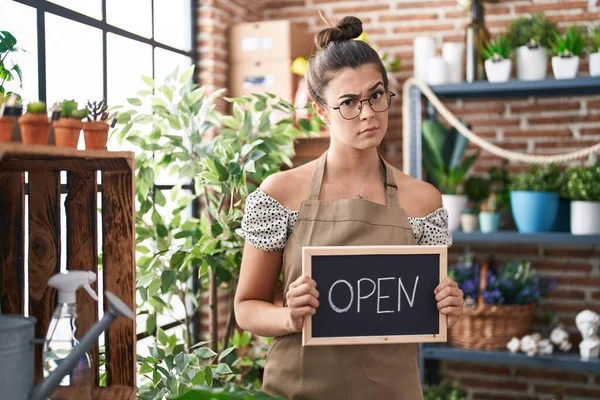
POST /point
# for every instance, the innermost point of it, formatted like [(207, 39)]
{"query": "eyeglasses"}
[(379, 102)]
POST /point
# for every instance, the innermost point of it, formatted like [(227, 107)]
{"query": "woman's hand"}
[(449, 300), (301, 301)]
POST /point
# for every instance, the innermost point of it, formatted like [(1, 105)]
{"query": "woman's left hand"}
[(449, 300)]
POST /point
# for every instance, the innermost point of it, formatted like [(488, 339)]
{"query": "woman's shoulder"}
[(418, 198), (290, 187)]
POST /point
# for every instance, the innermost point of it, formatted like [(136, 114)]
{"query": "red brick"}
[(570, 308), (408, 17), (362, 8), (532, 108), (566, 144), (562, 266), (571, 119), (570, 391), (593, 282), (586, 16), (481, 108), (284, 3), (476, 368), (537, 133), (424, 28), (596, 295), (484, 383), (533, 8), (426, 4), (477, 395), (395, 42), (593, 104), (495, 122), (570, 252), (568, 294), (301, 12)]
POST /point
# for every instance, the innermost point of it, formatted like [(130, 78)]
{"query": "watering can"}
[(17, 339)]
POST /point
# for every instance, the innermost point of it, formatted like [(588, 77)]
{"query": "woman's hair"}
[(338, 50)]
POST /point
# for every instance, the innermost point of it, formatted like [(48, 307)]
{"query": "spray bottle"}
[(60, 339)]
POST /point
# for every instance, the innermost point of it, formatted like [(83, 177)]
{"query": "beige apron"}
[(373, 372)]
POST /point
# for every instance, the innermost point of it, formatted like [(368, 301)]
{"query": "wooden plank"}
[(118, 249), (44, 251), (12, 230), (13, 163), (53, 152), (82, 248)]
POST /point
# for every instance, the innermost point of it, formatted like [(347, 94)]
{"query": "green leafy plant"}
[(216, 160), (497, 49), (97, 110), (225, 394), (499, 178), (490, 204), (593, 39), (531, 31), (570, 44), (538, 179), (583, 183), (8, 44), (443, 157), (37, 107), (445, 390), (477, 189), (68, 109)]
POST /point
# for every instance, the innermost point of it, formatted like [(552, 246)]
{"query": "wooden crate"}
[(42, 196)]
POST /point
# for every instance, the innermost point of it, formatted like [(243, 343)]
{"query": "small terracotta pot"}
[(95, 134), (67, 131), (6, 126), (35, 128)]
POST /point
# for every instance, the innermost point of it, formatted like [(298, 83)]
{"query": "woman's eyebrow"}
[(370, 90)]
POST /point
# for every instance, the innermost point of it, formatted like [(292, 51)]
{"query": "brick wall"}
[(534, 125)]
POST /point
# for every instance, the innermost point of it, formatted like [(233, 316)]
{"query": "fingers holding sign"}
[(450, 300), (302, 300)]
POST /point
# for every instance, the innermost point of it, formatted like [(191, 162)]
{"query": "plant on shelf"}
[(531, 37), (95, 129), (10, 110), (534, 196), (445, 390), (489, 216), (68, 127), (593, 47), (12, 72), (477, 190), (34, 124), (583, 190), (215, 160), (446, 166), (567, 48), (497, 59)]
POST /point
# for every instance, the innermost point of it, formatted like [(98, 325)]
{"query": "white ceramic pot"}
[(498, 71), (585, 217), (436, 71), (595, 64), (469, 222), (531, 63), (454, 204), (565, 67)]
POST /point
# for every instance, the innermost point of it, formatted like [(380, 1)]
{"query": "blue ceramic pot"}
[(489, 221), (534, 212)]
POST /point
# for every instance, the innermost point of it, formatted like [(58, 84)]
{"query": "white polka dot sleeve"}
[(266, 224), (433, 229)]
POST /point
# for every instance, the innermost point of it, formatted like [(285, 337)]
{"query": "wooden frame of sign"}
[(439, 268)]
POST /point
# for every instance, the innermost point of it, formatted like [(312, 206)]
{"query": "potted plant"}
[(446, 166), (6, 124), (68, 127), (477, 189), (531, 37), (34, 124), (594, 50), (95, 129), (534, 196), (497, 59), (499, 177), (567, 49), (489, 217), (444, 390), (10, 110), (583, 185)]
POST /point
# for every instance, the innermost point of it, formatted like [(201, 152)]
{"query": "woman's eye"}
[(376, 95), (348, 103)]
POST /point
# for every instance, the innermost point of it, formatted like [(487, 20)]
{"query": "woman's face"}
[(345, 91)]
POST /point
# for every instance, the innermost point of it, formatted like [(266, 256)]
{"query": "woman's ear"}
[(321, 112)]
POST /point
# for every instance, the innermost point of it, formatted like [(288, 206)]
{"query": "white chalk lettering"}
[(360, 297), (401, 288), (336, 309), (379, 296)]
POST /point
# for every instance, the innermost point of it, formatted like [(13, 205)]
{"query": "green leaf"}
[(151, 324), (123, 118), (208, 375), (162, 337), (226, 352), (223, 369), (198, 379), (187, 75), (205, 352), (162, 231), (249, 167), (159, 198), (177, 259), (134, 101), (167, 279), (168, 92), (148, 81), (304, 124), (182, 361), (145, 368)]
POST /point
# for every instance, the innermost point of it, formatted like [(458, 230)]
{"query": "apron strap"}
[(390, 184), (317, 178)]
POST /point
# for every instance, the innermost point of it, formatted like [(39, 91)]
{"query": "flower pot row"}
[(34, 126)]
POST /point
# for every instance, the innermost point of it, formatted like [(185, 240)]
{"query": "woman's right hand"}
[(302, 300)]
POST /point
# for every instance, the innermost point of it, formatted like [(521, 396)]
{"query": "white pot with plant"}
[(594, 50), (531, 37), (584, 192), (447, 170), (566, 49), (489, 216), (497, 60)]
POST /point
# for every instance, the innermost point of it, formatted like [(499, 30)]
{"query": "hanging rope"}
[(484, 144)]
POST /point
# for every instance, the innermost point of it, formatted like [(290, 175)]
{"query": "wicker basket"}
[(490, 327)]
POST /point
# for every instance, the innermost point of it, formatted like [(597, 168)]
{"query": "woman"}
[(349, 196)]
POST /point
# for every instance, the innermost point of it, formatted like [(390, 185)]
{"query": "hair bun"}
[(347, 29)]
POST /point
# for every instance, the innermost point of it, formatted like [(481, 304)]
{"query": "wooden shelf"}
[(515, 88), (566, 361), (17, 157), (509, 237)]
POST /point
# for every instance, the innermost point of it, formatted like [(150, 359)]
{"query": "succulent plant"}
[(497, 49), (593, 39), (68, 109), (36, 107), (532, 32), (97, 110), (570, 44)]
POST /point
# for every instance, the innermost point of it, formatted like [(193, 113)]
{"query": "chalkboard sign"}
[(375, 294)]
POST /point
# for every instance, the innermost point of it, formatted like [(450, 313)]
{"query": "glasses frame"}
[(360, 106)]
